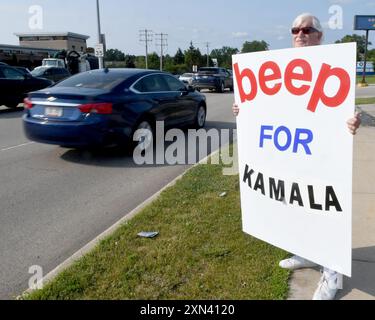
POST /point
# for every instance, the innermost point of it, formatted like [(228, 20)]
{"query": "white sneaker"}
[(330, 282), (296, 262)]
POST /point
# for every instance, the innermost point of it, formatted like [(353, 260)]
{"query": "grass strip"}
[(369, 79), (360, 101), (201, 252)]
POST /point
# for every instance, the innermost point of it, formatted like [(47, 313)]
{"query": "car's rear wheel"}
[(200, 117), (221, 87)]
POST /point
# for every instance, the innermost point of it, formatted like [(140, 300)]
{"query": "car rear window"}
[(94, 80), (38, 72), (208, 71)]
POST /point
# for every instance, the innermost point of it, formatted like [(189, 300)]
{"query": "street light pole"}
[(101, 63)]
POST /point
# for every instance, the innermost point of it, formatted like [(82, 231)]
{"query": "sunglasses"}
[(305, 30)]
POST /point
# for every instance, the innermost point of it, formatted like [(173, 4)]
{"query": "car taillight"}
[(100, 108), (27, 103)]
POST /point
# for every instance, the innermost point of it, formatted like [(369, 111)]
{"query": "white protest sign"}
[(295, 150)]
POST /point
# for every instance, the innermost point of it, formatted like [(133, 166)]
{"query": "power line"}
[(146, 36), (162, 42)]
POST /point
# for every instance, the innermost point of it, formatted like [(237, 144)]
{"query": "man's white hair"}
[(307, 16)]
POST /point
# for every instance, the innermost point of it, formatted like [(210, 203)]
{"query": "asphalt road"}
[(54, 201), (367, 92)]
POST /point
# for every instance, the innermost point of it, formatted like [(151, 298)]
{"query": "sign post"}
[(295, 150)]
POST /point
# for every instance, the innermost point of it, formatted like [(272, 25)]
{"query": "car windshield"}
[(38, 72), (94, 80), (208, 71)]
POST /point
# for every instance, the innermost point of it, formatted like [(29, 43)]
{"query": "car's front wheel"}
[(200, 117)]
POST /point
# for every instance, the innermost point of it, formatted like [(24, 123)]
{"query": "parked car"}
[(187, 78), (23, 70), (213, 78), (14, 85), (107, 106), (53, 73)]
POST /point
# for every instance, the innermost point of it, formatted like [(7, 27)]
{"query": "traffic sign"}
[(99, 50)]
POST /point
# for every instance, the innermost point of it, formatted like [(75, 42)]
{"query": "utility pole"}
[(101, 63), (208, 53), (162, 42), (146, 36)]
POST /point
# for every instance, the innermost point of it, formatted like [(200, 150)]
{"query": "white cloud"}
[(240, 34)]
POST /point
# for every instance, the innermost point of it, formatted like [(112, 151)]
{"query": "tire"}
[(221, 87), (200, 117)]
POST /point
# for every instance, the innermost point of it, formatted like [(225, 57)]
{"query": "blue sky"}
[(219, 22)]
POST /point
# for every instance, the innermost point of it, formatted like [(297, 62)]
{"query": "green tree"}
[(114, 55), (90, 50), (193, 57), (224, 56), (203, 61), (130, 61), (154, 61), (179, 57), (140, 62), (361, 44), (255, 46)]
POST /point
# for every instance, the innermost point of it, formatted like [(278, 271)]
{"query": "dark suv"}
[(14, 85), (213, 78)]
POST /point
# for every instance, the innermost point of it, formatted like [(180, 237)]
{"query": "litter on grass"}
[(148, 234)]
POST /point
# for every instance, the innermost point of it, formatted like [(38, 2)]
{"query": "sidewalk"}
[(362, 284)]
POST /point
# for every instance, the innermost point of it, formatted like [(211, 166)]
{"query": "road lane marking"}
[(19, 146)]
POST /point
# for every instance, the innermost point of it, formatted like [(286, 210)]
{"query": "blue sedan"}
[(107, 106)]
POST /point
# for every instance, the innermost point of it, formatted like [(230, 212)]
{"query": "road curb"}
[(93, 243)]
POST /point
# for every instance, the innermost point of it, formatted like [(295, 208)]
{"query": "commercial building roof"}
[(54, 34)]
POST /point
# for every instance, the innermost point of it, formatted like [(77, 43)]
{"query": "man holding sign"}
[(295, 155)]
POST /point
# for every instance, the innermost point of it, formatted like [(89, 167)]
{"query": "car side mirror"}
[(184, 91)]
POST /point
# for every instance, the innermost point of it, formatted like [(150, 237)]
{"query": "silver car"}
[(187, 78)]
